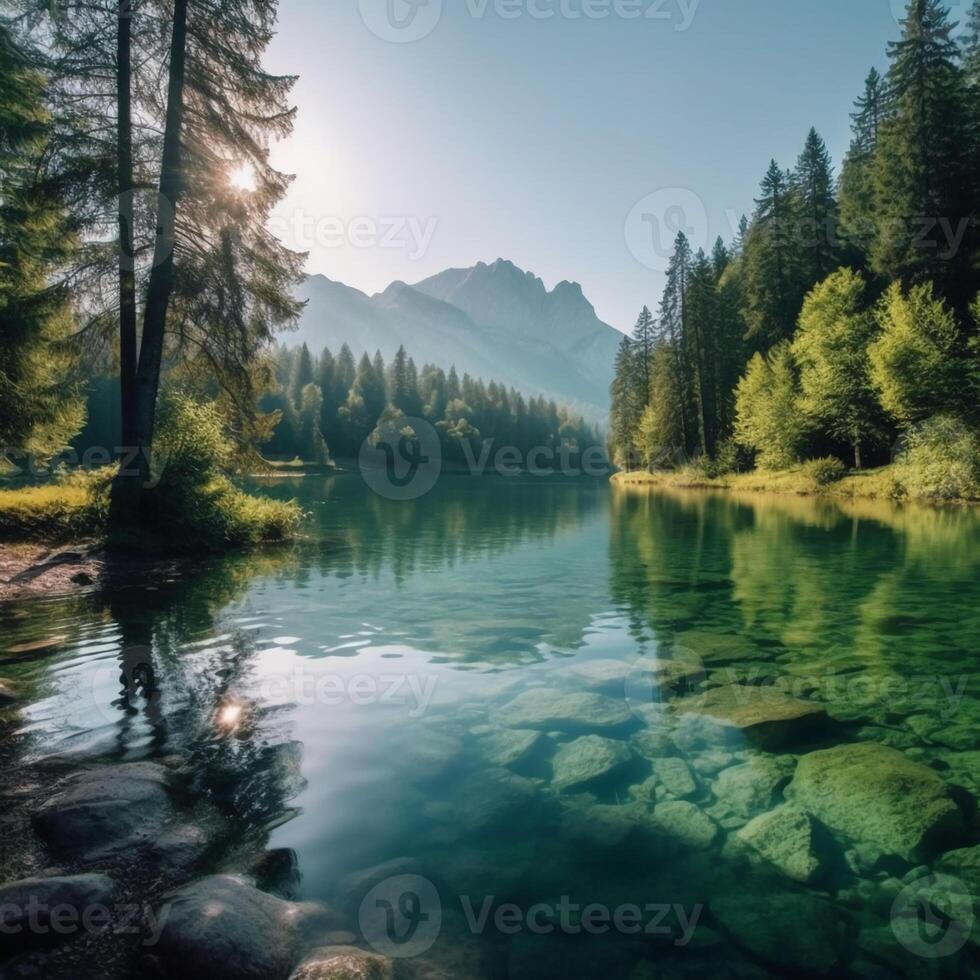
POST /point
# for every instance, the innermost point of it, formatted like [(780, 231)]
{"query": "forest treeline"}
[(328, 406), (844, 316)]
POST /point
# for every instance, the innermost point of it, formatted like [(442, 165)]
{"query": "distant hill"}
[(491, 321)]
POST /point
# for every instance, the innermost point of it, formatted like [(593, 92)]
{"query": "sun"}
[(242, 178)]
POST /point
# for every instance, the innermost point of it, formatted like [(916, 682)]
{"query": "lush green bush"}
[(74, 507), (942, 460), (194, 502), (825, 471)]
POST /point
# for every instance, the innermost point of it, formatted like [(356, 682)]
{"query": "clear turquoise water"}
[(344, 698)]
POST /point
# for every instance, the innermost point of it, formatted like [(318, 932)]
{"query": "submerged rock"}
[(31, 901), (586, 760), (751, 788), (603, 675), (601, 825), (7, 694), (764, 716), (344, 963), (493, 796), (354, 886), (550, 708), (790, 931), (784, 838), (100, 812), (224, 929), (874, 794), (510, 747), (675, 776), (686, 823)]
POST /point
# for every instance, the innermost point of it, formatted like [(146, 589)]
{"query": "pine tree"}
[(304, 373), (39, 407), (700, 340), (674, 333), (644, 338), (772, 282), (856, 191), (816, 218), (923, 175), (627, 407)]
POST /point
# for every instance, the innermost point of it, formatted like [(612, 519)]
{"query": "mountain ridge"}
[(495, 321)]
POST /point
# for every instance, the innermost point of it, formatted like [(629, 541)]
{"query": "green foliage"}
[(942, 460), (72, 509), (913, 362), (824, 471), (194, 505), (768, 419), (39, 407), (831, 348)]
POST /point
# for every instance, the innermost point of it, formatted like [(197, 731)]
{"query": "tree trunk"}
[(127, 273), (857, 454), (129, 487)]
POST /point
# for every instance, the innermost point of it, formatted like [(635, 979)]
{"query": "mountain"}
[(492, 321)]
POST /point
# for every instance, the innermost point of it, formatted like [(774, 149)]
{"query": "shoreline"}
[(875, 484)]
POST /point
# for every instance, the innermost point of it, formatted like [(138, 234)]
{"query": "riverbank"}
[(879, 484)]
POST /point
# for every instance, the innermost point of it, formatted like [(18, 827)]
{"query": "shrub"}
[(74, 507), (942, 460), (825, 471), (194, 502)]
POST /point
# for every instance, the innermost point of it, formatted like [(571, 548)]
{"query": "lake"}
[(585, 731)]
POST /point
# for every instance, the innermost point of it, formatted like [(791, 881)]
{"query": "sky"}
[(572, 137)]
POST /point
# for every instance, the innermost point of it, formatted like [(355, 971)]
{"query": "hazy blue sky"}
[(534, 137)]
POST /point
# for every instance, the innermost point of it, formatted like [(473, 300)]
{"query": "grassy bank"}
[(885, 483)]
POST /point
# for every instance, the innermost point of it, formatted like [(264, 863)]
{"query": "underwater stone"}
[(751, 787), (871, 793), (547, 708), (784, 838), (686, 823), (587, 759)]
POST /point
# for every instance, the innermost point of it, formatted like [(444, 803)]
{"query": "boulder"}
[(30, 901), (874, 794), (549, 708), (603, 675), (784, 838), (763, 716), (587, 759), (7, 694), (793, 932), (686, 823), (100, 812), (675, 776), (344, 963), (751, 788), (493, 797), (601, 825), (222, 928), (510, 747)]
